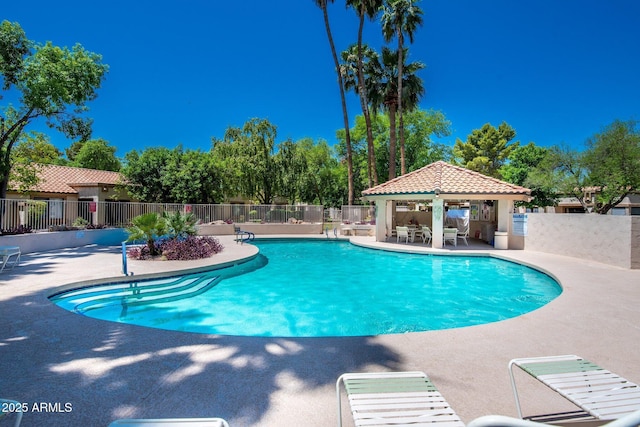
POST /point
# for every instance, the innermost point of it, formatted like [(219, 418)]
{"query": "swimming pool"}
[(312, 288)]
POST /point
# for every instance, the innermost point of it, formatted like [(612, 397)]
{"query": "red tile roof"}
[(445, 178), (63, 179)]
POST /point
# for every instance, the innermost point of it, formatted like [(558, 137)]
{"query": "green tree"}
[(380, 131), (292, 169), (27, 157), (147, 227), (321, 182), (420, 126), (161, 175), (144, 171), (247, 155), (486, 149), (612, 159), (354, 61), (561, 172), (400, 17), (521, 170), (35, 147), (322, 4), (192, 177), (97, 154), (50, 83)]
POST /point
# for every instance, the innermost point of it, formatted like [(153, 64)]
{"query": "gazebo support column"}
[(505, 209), (381, 220), (437, 224)]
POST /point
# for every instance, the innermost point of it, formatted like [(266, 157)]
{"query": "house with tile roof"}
[(59, 184), (440, 186), (70, 183)]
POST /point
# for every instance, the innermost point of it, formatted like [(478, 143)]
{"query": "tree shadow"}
[(107, 370), (41, 263)]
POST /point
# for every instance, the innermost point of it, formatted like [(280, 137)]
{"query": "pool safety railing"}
[(124, 259), (243, 236), (335, 232)]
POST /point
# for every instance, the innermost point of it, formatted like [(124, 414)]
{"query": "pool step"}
[(109, 289), (134, 295)]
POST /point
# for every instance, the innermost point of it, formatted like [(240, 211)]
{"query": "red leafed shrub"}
[(192, 247), (189, 248), (138, 252)]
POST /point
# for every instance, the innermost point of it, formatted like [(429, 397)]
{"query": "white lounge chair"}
[(600, 393), (426, 235), (402, 233), (6, 252), (451, 235), (11, 408), (631, 420), (170, 422), (395, 398)]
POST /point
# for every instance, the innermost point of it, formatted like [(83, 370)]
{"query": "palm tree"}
[(383, 88), (366, 8), (147, 226), (322, 4), (180, 225), (398, 18), (359, 61)]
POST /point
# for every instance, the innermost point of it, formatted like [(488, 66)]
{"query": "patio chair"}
[(451, 235), (426, 235), (6, 252), (395, 398), (402, 233), (11, 407), (170, 422), (464, 235), (599, 393), (631, 420)]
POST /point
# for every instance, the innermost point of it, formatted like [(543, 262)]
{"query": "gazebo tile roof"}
[(444, 178)]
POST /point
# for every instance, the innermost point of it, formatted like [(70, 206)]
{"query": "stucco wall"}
[(609, 239), (49, 241)]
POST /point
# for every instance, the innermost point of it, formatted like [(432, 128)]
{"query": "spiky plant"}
[(147, 227), (180, 225)]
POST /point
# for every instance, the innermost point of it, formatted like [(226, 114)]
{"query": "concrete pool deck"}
[(90, 372)]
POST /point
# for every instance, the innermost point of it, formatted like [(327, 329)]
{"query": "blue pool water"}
[(324, 288)]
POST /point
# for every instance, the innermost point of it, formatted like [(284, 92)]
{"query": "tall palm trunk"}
[(392, 140), (403, 161), (345, 114), (364, 104), (403, 167)]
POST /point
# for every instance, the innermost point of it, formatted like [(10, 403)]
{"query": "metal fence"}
[(359, 214), (42, 215)]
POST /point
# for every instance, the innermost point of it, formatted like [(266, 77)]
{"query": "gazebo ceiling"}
[(441, 179)]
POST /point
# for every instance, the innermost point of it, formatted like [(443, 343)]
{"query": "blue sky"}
[(183, 71)]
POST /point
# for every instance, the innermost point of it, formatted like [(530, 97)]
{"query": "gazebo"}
[(440, 186)]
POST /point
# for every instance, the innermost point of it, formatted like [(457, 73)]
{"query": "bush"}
[(21, 229), (189, 248), (80, 222), (96, 226), (138, 252)]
